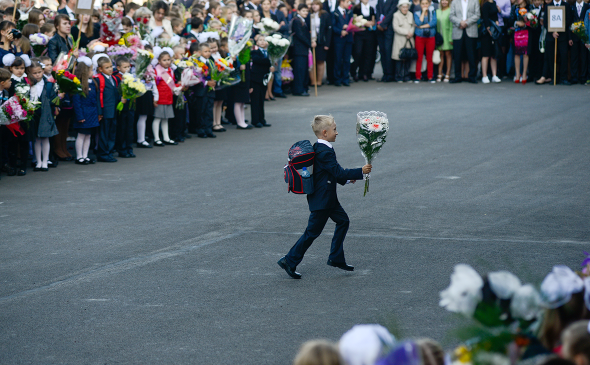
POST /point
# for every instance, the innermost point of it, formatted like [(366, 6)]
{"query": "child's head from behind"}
[(105, 66), (576, 343), (18, 67), (35, 71), (215, 24), (194, 49), (83, 73), (324, 127), (48, 29), (431, 352), (205, 50), (5, 80), (318, 352), (164, 59), (123, 65)]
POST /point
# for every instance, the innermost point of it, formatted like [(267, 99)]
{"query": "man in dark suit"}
[(323, 202), (579, 54), (562, 39), (68, 9), (260, 68), (302, 43), (342, 43), (384, 17), (330, 6)]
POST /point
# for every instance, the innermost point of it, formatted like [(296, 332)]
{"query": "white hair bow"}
[(85, 60), (26, 59), (8, 59)]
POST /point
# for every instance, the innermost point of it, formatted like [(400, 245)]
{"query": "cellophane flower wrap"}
[(371, 132), (143, 60), (277, 47), (39, 43), (203, 71), (579, 29), (117, 51), (245, 56), (12, 111), (356, 24), (64, 79), (239, 34), (23, 91), (267, 26), (189, 77), (223, 73), (131, 88), (109, 28)]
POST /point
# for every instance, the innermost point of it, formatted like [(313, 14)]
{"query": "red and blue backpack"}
[(100, 85), (301, 155)]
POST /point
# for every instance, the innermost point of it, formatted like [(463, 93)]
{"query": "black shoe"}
[(211, 135), (455, 81), (159, 144), (472, 81), (201, 135), (265, 124), (335, 84), (21, 172), (285, 266), (124, 155), (89, 161), (171, 142), (340, 266), (365, 79), (225, 121), (51, 163), (65, 158), (143, 144), (107, 159), (246, 127), (80, 161), (132, 155), (345, 84), (220, 130), (283, 96), (37, 169), (259, 125), (44, 169), (187, 136), (9, 170), (565, 82)]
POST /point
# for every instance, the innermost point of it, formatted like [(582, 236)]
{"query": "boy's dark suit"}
[(579, 55), (301, 47), (385, 9), (204, 99), (562, 44), (324, 204), (260, 68), (342, 47), (108, 124)]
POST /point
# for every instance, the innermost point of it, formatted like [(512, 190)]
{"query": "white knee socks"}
[(141, 128), (156, 128), (42, 151)]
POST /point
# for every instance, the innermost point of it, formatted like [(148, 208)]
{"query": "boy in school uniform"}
[(107, 109), (126, 118), (301, 45), (260, 68), (342, 43), (579, 53), (323, 202), (206, 97), (192, 98)]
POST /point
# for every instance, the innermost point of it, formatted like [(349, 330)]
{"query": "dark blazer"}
[(56, 45), (576, 18), (338, 22), (327, 8), (284, 29), (325, 35), (568, 22), (326, 173), (110, 99), (84, 40), (356, 10), (385, 8), (260, 66), (272, 16), (301, 37)]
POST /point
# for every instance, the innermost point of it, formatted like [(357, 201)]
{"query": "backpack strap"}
[(100, 87)]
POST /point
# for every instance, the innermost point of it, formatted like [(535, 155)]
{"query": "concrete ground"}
[(170, 258)]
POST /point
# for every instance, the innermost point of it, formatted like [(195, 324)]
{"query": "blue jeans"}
[(278, 80)]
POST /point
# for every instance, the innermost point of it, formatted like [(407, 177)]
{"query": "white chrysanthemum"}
[(464, 293), (559, 285), (503, 283), (364, 344), (525, 303), (375, 127), (277, 36)]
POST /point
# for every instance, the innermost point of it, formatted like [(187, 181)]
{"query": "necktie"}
[(579, 10)]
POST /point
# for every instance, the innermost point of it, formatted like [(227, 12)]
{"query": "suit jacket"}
[(456, 16), (260, 66), (325, 35), (563, 36), (326, 173), (56, 45), (338, 22), (301, 37), (576, 18), (327, 7), (110, 99), (385, 9)]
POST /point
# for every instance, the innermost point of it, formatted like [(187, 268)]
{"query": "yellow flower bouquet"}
[(131, 89)]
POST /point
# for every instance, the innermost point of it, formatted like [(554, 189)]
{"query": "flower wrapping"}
[(244, 57), (239, 34), (267, 26), (39, 43), (64, 80), (223, 73), (116, 51), (579, 29), (131, 89), (142, 61), (12, 111), (371, 131), (356, 24), (277, 47), (23, 91), (109, 28)]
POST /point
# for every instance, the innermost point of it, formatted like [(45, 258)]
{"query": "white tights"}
[(217, 109), (141, 128), (42, 149), (82, 145), (240, 114), (156, 129)]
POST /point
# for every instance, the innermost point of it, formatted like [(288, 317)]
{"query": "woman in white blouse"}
[(158, 22)]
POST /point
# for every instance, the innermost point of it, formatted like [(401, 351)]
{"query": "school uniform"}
[(18, 145), (535, 55), (301, 47), (205, 104), (329, 6), (85, 108), (323, 204), (260, 68), (342, 46), (579, 52), (365, 44), (109, 97), (562, 44)]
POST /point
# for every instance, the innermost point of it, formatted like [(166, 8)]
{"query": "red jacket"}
[(164, 91)]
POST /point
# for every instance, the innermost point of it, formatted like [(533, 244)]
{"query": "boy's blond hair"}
[(321, 122), (318, 352)]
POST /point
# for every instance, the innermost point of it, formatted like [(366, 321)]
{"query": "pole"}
[(14, 12), (315, 76), (555, 64)]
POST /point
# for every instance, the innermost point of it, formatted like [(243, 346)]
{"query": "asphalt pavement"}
[(170, 258)]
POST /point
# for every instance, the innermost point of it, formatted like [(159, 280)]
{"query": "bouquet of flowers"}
[(286, 71), (11, 112), (202, 69), (532, 18), (356, 24), (244, 57), (122, 50), (163, 43), (39, 43), (579, 29), (371, 131), (109, 28), (267, 26), (64, 79), (131, 88), (23, 91), (238, 35), (142, 26), (223, 73), (143, 60), (277, 47), (131, 40), (188, 77)]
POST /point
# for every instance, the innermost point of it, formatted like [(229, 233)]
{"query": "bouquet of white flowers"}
[(371, 131), (267, 26)]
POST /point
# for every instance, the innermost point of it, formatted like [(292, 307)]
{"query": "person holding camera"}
[(8, 35)]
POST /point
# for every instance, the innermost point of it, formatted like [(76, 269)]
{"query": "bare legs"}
[(484, 66), (525, 66), (320, 66)]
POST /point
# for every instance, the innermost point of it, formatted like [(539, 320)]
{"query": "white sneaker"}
[(496, 79), (433, 81), (416, 81), (485, 80)]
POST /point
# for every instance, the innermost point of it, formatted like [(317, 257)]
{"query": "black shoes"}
[(248, 126), (305, 93), (143, 144), (265, 124), (171, 142), (283, 96), (107, 159), (455, 81), (565, 82), (340, 266), (211, 135), (285, 266)]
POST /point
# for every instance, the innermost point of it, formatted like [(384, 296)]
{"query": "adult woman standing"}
[(158, 21), (321, 33), (365, 42), (425, 21), (90, 30), (445, 28), (489, 46), (36, 17), (403, 28)]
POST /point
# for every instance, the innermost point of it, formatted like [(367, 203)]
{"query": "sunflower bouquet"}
[(132, 88)]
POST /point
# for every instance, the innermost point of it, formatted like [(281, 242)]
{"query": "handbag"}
[(438, 39), (406, 54), (495, 31)]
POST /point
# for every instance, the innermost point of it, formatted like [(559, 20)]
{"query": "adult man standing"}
[(302, 43), (384, 17), (330, 6), (562, 39), (464, 16), (68, 9)]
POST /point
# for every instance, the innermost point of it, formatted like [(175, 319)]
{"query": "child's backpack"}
[(299, 168)]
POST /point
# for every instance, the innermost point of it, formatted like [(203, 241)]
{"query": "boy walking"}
[(323, 202), (107, 110)]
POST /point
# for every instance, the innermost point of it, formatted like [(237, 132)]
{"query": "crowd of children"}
[(439, 32)]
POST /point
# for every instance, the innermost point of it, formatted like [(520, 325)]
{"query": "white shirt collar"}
[(557, 3), (366, 10), (254, 5), (323, 141), (19, 79), (342, 11), (194, 32)]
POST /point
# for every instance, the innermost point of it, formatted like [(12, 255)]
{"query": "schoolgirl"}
[(85, 111), (220, 95), (144, 108), (165, 87)]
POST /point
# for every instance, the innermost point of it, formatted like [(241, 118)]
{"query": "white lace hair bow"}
[(364, 343), (8, 59), (26, 59), (95, 59), (559, 285), (85, 60)]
